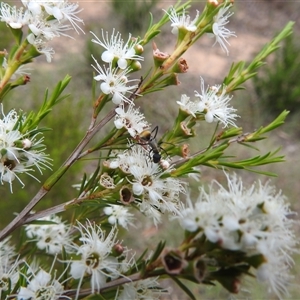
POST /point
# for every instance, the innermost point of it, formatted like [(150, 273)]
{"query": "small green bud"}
[(135, 66), (139, 49), (20, 81)]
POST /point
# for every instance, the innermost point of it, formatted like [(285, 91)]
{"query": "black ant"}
[(148, 137)]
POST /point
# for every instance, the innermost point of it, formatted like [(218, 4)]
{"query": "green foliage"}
[(278, 84), (65, 134), (5, 40), (133, 13)]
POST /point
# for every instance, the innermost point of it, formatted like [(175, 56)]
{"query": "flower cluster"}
[(131, 119), (9, 273), (212, 102), (96, 259), (117, 51), (45, 20), (153, 193), (181, 24), (122, 58), (19, 152), (52, 237), (252, 221), (115, 83), (41, 285)]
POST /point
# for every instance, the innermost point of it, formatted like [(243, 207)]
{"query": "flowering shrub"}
[(229, 233)]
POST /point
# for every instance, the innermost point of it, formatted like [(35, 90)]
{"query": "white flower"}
[(276, 273), (45, 19), (9, 273), (13, 16), (47, 30), (118, 214), (42, 48), (15, 156), (255, 221), (42, 286), (215, 106), (95, 256), (182, 21), (116, 49), (187, 105), (51, 237), (34, 6), (114, 83), (43, 31), (65, 11), (143, 289), (61, 10), (220, 32), (132, 119)]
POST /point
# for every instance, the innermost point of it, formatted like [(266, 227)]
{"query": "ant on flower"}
[(147, 137)]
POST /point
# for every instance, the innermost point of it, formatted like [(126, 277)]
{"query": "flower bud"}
[(26, 143), (117, 250), (139, 49), (164, 164), (21, 81), (214, 3), (135, 66)]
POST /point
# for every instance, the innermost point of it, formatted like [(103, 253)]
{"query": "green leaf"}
[(33, 119), (183, 287), (160, 247), (238, 73)]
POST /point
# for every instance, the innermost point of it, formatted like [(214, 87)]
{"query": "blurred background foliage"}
[(278, 84), (134, 15), (276, 88)]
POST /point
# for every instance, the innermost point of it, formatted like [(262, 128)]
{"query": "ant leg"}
[(154, 133), (166, 153)]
